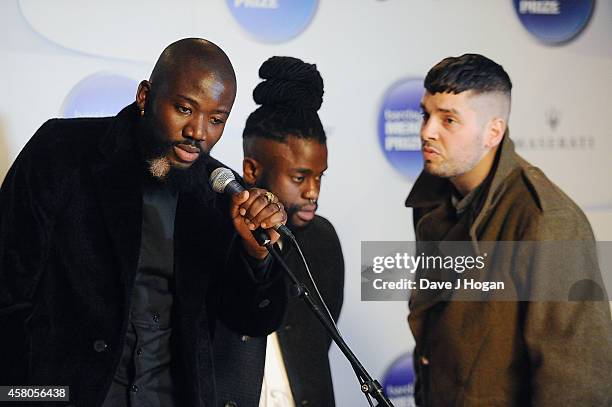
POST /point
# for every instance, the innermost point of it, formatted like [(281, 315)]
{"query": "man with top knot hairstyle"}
[(116, 256), (285, 151)]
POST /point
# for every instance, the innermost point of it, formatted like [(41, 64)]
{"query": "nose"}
[(196, 128), (311, 189), (429, 130)]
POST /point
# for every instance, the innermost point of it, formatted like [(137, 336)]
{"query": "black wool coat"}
[(70, 228)]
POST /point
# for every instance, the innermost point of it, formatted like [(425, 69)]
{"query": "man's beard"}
[(458, 165), (154, 149)]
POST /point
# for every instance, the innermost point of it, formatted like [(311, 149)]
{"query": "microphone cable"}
[(314, 284)]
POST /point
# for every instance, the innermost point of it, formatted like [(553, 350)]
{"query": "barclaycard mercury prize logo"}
[(273, 21), (398, 381), (399, 124), (98, 95), (554, 21)]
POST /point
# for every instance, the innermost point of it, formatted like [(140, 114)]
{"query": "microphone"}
[(222, 180)]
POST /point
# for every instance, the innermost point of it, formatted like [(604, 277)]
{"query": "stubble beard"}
[(448, 167)]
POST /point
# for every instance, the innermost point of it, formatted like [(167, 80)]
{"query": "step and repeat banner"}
[(69, 58)]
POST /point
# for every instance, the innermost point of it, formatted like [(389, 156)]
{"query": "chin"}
[(298, 224), (436, 171), (429, 169), (159, 167), (179, 165)]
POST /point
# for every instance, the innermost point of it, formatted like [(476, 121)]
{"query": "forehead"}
[(458, 102), (199, 83), (296, 152)]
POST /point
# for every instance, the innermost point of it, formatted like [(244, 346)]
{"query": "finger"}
[(266, 212), (260, 209), (279, 216), (237, 200), (254, 206), (274, 235), (254, 194)]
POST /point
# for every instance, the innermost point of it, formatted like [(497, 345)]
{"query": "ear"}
[(142, 94), (495, 132), (251, 170)]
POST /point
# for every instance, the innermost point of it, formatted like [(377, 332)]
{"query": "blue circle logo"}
[(398, 381), (554, 21), (273, 20), (99, 95), (399, 125)]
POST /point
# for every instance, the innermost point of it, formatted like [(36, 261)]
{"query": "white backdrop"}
[(361, 47)]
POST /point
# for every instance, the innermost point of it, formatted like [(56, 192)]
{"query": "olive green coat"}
[(512, 353)]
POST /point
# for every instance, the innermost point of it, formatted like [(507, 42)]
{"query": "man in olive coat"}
[(527, 346)]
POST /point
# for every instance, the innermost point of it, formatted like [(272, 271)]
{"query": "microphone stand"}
[(369, 386)]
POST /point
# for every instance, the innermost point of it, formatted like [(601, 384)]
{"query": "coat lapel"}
[(199, 226), (437, 222), (433, 228), (117, 178)]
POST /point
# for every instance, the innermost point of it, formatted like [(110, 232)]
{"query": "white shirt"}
[(275, 389)]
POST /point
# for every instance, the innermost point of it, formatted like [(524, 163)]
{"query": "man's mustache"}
[(190, 142), (297, 208)]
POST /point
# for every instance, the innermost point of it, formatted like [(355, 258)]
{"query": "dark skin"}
[(292, 170), (189, 107)]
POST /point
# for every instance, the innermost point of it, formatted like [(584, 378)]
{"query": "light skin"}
[(292, 170), (190, 110), (460, 135)]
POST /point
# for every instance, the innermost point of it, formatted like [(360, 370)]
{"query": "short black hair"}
[(290, 96), (468, 72)]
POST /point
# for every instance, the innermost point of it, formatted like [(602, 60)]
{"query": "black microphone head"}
[(220, 178)]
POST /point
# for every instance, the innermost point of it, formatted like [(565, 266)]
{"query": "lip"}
[(305, 216), (307, 212), (429, 152), (186, 153), (308, 208)]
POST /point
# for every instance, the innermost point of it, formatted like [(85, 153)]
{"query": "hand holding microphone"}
[(254, 212)]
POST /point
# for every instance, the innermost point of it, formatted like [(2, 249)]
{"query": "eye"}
[(216, 121), (183, 109), (425, 115), (298, 179), (450, 120)]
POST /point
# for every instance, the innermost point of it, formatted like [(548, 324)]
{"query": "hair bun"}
[(289, 82)]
